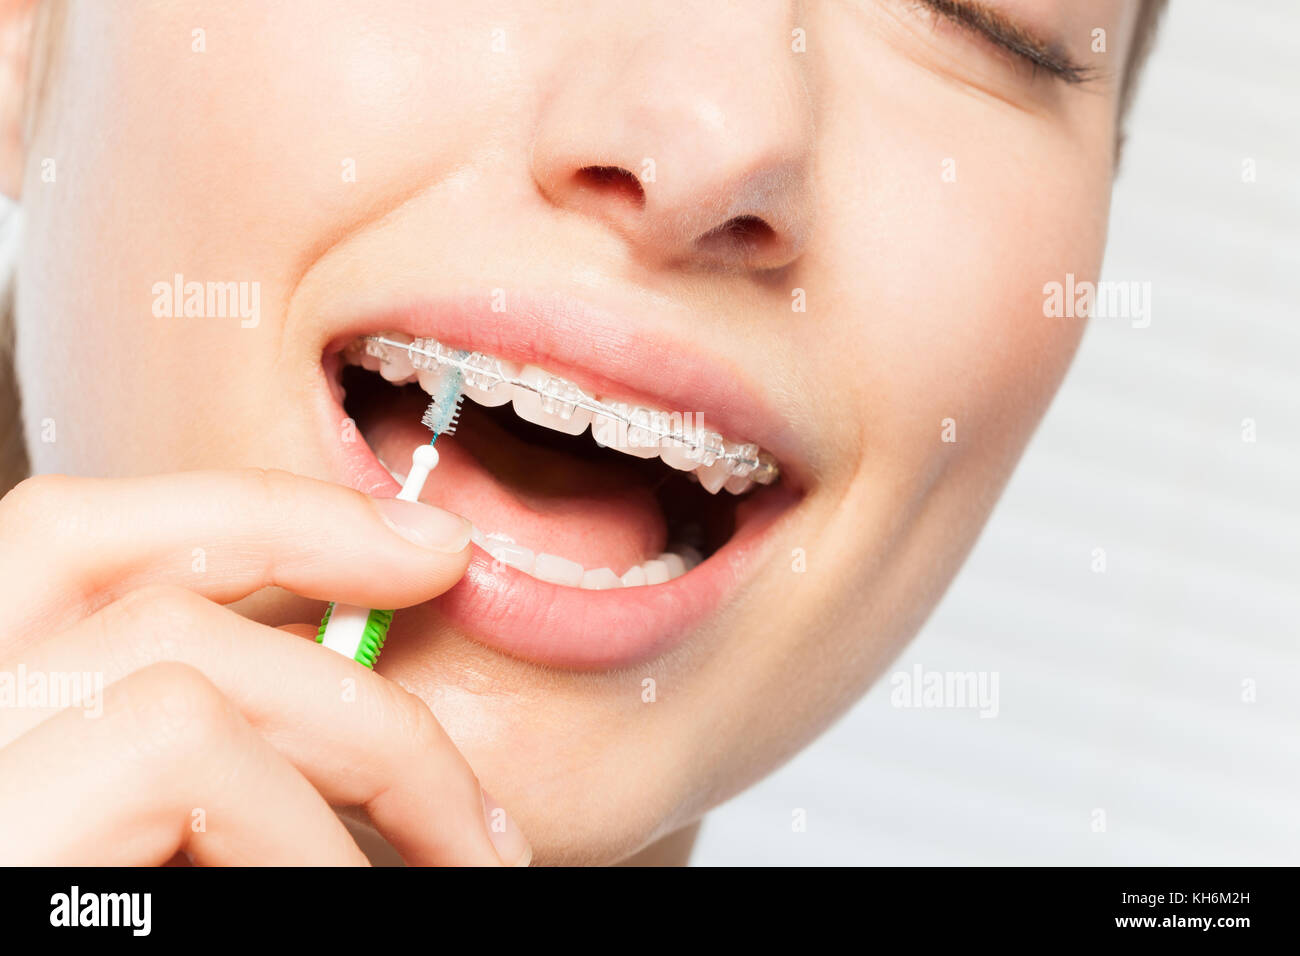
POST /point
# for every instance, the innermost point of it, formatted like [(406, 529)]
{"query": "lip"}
[(535, 620)]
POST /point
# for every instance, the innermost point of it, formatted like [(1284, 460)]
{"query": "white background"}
[(1120, 691)]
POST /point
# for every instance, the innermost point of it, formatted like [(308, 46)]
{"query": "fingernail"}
[(508, 839), (425, 525)]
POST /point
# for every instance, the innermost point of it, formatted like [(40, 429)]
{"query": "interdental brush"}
[(359, 632)]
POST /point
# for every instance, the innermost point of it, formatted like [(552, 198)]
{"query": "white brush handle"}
[(423, 461), (346, 629)]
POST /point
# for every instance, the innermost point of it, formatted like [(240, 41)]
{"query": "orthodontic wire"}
[(586, 402)]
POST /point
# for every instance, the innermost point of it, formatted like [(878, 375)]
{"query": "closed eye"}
[(978, 18)]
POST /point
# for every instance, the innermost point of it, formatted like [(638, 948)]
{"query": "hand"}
[(216, 736)]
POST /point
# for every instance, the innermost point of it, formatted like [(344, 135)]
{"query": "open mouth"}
[(607, 527), (570, 488)]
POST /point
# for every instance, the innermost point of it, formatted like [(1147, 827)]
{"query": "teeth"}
[(513, 555), (396, 365), (397, 370), (420, 362), (738, 484), (552, 402), (714, 476), (486, 385), (674, 563), (676, 455), (643, 431), (562, 398), (766, 472), (557, 570), (631, 439), (431, 382), (704, 452), (741, 457), (602, 579), (555, 407)]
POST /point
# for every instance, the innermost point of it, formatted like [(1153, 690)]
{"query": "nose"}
[(691, 139)]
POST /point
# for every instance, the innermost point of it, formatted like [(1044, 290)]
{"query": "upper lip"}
[(601, 351)]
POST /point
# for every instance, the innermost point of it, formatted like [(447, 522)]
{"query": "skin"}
[(924, 304)]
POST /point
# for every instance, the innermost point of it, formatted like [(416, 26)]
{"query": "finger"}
[(170, 766), (70, 545), (359, 739)]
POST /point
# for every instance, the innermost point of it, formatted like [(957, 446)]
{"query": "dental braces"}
[(564, 398)]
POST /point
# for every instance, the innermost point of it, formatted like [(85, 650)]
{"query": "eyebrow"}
[(1012, 36)]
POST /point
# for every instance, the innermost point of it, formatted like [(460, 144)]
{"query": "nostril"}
[(612, 181), (743, 235), (748, 230)]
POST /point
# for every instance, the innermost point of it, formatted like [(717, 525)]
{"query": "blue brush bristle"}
[(444, 411)]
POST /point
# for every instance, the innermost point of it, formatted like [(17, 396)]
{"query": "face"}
[(818, 233)]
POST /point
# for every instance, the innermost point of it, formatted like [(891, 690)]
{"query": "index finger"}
[(68, 546)]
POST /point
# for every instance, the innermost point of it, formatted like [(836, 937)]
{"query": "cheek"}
[(200, 154), (940, 265), (975, 355)]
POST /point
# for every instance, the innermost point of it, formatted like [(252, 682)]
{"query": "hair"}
[(13, 451), (1144, 38)]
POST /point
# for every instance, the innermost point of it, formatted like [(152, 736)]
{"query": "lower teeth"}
[(557, 570)]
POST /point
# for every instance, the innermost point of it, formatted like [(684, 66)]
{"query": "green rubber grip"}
[(372, 641)]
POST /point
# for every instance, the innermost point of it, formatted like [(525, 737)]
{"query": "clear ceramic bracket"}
[(564, 398)]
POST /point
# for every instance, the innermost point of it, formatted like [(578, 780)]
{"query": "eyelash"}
[(1065, 72)]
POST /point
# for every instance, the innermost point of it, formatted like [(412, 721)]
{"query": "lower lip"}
[(517, 614)]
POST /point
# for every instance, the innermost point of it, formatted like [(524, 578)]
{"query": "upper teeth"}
[(544, 399)]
